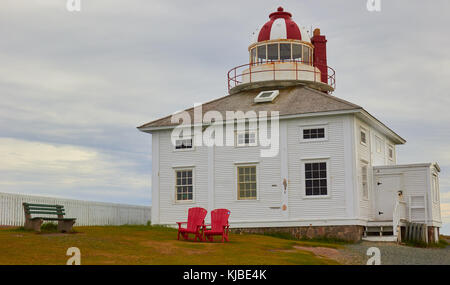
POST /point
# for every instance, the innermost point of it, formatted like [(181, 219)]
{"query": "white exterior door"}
[(386, 188)]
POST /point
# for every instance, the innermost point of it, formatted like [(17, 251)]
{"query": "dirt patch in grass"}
[(326, 252)]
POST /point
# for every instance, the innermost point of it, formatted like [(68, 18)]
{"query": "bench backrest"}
[(43, 209)]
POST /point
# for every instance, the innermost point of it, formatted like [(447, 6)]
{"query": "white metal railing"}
[(87, 213), (398, 215)]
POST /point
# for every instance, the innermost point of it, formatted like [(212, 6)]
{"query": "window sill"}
[(313, 140), (183, 202), (183, 150), (313, 197), (244, 146)]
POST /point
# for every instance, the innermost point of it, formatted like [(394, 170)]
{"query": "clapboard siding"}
[(215, 176), (416, 184), (269, 185), (87, 213), (368, 153), (331, 149), (169, 160)]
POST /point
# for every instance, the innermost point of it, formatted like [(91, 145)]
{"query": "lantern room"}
[(284, 55)]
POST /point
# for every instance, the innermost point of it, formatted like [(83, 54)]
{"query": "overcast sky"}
[(74, 85)]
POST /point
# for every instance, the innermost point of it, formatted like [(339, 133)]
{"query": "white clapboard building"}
[(334, 172)]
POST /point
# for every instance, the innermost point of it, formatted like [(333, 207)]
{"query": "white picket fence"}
[(87, 213)]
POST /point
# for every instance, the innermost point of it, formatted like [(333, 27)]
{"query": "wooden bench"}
[(34, 223)]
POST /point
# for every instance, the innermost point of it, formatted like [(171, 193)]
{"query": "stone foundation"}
[(347, 233)]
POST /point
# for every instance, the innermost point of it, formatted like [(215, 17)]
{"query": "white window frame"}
[(186, 168), (238, 133), (259, 99), (184, 149), (379, 141), (389, 147), (303, 175), (363, 130), (236, 181), (307, 127), (435, 187), (364, 194)]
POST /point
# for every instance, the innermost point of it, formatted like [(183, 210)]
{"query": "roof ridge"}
[(333, 97)]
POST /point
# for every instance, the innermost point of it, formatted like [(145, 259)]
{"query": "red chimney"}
[(320, 54)]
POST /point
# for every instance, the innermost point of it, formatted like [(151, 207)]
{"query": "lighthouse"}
[(333, 170), (284, 55)]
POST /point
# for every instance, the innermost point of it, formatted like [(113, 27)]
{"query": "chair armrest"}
[(180, 223)]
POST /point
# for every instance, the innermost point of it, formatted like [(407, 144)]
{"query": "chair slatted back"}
[(219, 219), (43, 209), (196, 217)]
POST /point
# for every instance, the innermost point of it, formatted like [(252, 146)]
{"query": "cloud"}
[(69, 171)]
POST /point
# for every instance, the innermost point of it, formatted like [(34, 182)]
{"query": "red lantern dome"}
[(281, 26)]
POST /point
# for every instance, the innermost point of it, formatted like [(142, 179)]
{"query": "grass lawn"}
[(151, 245)]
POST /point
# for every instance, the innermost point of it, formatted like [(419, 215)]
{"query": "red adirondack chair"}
[(195, 224), (219, 225)]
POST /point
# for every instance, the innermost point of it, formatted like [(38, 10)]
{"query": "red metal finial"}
[(280, 13)]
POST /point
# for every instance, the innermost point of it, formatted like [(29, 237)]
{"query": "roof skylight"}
[(266, 96)]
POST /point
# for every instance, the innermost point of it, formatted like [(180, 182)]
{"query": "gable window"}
[(313, 133), (246, 182), (379, 145), (391, 152), (435, 188), (183, 144), (318, 133), (184, 185), (363, 136), (364, 181), (316, 179), (246, 138)]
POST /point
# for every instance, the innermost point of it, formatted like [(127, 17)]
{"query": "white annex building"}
[(335, 174)]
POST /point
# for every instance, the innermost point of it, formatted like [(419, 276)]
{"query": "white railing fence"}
[(398, 215), (87, 213)]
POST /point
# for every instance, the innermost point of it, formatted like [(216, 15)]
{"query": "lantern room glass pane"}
[(262, 54), (306, 52), (285, 51), (272, 51), (297, 52)]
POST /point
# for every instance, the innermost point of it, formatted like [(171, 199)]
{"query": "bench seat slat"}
[(53, 219)]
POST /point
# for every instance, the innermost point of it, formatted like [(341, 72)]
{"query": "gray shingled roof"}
[(290, 101)]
